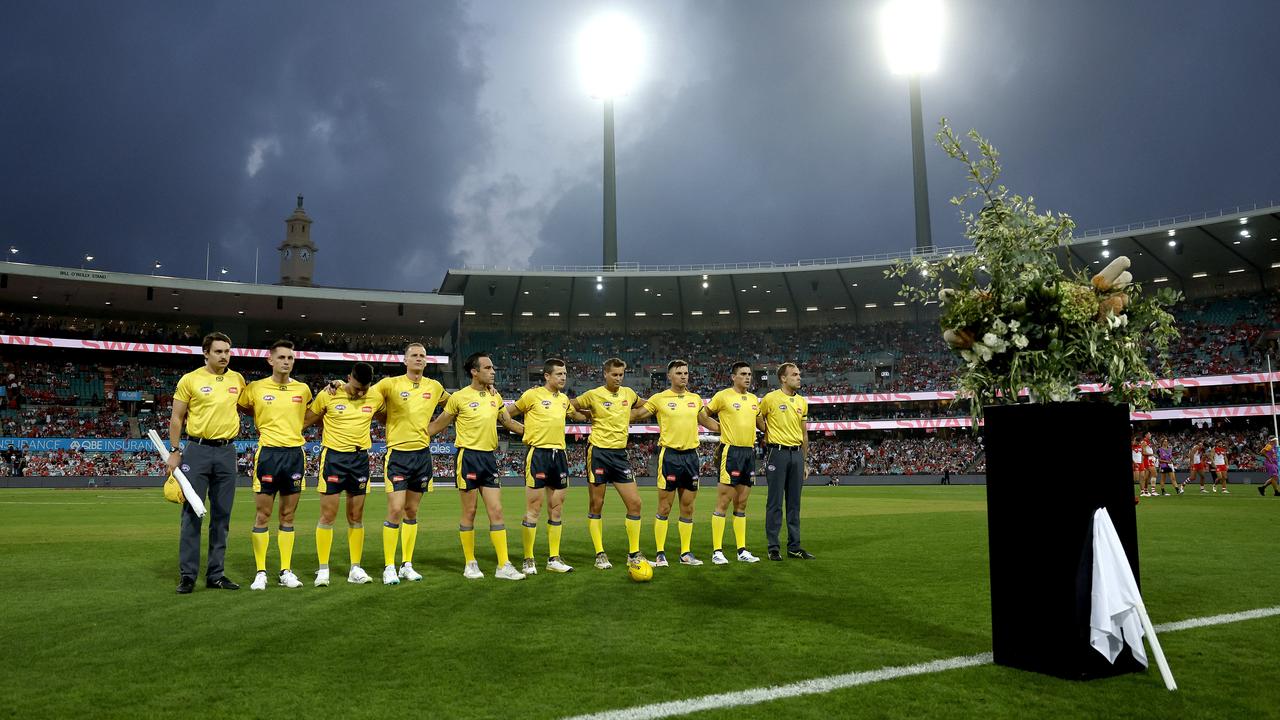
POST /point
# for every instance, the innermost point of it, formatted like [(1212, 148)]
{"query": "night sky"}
[(425, 135)]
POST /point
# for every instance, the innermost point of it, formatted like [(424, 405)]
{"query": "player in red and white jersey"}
[(1139, 473), (1220, 467), (1198, 465)]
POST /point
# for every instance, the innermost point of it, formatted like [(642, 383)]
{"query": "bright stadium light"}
[(611, 53), (912, 31), (13, 250)]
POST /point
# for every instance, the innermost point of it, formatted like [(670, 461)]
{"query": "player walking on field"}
[(546, 466), (344, 466), (1269, 467), (610, 408), (1198, 465), (205, 404), (1164, 459), (736, 409), (408, 402), (1220, 467), (279, 406), (679, 414), (477, 410), (782, 418)]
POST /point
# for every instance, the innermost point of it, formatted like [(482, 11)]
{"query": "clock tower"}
[(297, 253)]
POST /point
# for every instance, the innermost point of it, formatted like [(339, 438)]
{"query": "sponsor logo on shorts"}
[(268, 478), (471, 476), (671, 478), (772, 468), (297, 476), (599, 471), (268, 398), (735, 473), (332, 478), (540, 476), (397, 478), (185, 468)]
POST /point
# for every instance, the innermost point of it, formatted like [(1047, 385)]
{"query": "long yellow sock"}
[(260, 541), (390, 535), (740, 529), (529, 533), (717, 531), (468, 537), (499, 537), (284, 539), (355, 543), (660, 532), (408, 539), (595, 526), (554, 527), (324, 543), (633, 534), (686, 534)]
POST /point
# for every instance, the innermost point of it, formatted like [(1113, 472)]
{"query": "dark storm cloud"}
[(429, 134), (130, 129), (796, 145)]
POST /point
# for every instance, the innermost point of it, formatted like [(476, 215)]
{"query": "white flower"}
[(983, 352), (1013, 326), (998, 327), (1019, 341), (1116, 321), (995, 344)]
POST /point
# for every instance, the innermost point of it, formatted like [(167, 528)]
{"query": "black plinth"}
[(1049, 467)]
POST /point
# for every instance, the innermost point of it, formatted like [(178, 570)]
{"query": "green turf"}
[(93, 627)]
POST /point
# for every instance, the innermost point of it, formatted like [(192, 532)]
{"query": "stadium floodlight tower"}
[(912, 31), (611, 52)]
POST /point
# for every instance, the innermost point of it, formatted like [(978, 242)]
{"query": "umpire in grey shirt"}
[(205, 402), (782, 419)]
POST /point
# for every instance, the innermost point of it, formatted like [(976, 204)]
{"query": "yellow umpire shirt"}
[(610, 415), (346, 421), (544, 414), (279, 410), (677, 418), (736, 413), (476, 413), (409, 405), (211, 403), (784, 417)]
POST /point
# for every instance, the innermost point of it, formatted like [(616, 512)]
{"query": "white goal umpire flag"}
[(1117, 616)]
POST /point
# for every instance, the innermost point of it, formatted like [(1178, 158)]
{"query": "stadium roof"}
[(1201, 255), (97, 293)]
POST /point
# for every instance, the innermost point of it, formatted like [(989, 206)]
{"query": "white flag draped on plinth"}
[(1117, 615), (193, 499)]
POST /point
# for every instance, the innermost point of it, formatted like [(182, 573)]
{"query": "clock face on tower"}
[(305, 254), (288, 253)]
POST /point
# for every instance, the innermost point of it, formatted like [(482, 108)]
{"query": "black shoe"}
[(186, 585), (1262, 491), (800, 553), (775, 555), (222, 583)]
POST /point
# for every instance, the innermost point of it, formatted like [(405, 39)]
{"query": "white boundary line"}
[(837, 682)]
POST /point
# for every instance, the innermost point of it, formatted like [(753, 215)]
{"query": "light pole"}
[(610, 52), (912, 32)]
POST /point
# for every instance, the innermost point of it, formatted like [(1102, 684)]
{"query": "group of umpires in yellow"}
[(207, 402)]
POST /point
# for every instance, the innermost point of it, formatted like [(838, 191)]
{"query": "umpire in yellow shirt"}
[(782, 416), (205, 403)]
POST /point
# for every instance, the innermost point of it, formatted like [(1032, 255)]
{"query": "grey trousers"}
[(210, 470), (784, 470)]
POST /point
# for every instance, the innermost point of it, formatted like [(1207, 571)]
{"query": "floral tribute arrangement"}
[(1018, 319)]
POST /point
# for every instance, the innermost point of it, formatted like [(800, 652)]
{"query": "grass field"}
[(94, 628)]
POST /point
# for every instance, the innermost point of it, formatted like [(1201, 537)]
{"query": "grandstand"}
[(95, 355)]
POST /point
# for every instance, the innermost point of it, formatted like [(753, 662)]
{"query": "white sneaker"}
[(509, 572), (358, 576), (558, 565), (718, 558), (472, 571), (659, 560), (322, 578), (1180, 491), (530, 567), (1206, 492), (1226, 491), (289, 580), (1215, 488), (689, 559), (408, 573), (259, 581), (389, 575), (745, 556), (602, 561)]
